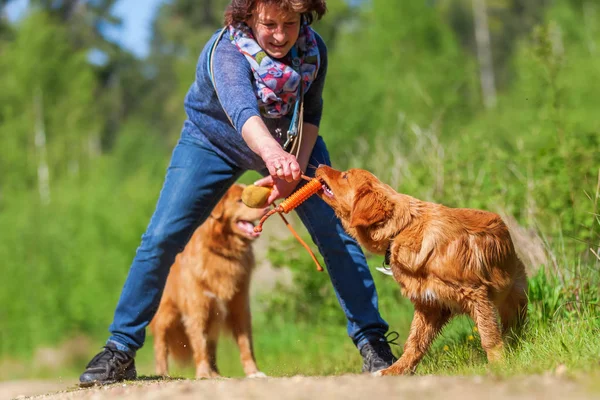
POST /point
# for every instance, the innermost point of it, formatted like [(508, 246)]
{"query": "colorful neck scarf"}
[(276, 83)]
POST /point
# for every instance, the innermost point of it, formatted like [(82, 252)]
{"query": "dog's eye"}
[(239, 200), (344, 175)]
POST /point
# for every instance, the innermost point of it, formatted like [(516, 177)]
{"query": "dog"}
[(447, 261), (208, 289)]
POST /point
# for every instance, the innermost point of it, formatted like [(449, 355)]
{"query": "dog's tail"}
[(179, 346)]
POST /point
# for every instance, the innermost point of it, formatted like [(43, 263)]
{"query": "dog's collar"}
[(388, 251), (388, 255)]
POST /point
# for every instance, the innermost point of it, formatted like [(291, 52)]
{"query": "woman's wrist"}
[(259, 139), (270, 148)]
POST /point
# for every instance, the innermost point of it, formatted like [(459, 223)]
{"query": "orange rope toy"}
[(293, 201)]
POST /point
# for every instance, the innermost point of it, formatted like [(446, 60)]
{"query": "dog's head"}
[(370, 210), (232, 217)]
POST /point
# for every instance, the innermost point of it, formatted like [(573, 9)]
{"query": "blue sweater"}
[(206, 118)]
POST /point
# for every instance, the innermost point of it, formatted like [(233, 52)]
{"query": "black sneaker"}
[(108, 366), (377, 354)]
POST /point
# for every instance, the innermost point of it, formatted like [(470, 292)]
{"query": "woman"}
[(249, 80)]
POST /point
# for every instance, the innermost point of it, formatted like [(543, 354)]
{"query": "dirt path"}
[(345, 387), (14, 389)]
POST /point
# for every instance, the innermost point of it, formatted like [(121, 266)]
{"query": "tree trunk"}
[(43, 172), (590, 19), (484, 53)]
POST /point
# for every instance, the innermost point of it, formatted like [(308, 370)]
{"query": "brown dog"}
[(447, 261), (207, 289)]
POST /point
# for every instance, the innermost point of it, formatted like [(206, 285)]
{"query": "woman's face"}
[(275, 30)]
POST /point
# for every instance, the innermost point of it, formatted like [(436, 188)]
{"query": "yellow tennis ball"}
[(256, 196)]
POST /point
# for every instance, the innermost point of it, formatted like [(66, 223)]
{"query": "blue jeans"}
[(196, 180)]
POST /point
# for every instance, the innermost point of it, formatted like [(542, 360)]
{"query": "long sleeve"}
[(233, 82)]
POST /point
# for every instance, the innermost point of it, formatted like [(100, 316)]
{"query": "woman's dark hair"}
[(241, 10)]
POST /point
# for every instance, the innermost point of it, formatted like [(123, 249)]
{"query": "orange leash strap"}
[(293, 201), (319, 267)]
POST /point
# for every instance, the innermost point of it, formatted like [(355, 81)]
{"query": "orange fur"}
[(208, 289), (447, 261)]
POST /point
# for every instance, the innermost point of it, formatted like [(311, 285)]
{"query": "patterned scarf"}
[(276, 83)]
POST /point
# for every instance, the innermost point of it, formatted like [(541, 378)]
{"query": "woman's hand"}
[(281, 188), (281, 164)]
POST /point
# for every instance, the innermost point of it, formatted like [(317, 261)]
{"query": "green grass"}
[(321, 349), (541, 348), (285, 348)]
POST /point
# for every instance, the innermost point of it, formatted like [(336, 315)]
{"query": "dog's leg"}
[(196, 327), (426, 324), (164, 319), (485, 315), (240, 323), (161, 354), (212, 355), (212, 341)]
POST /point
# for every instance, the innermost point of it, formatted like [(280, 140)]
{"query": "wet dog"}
[(447, 261), (208, 289)]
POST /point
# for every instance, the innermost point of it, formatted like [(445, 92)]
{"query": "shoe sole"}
[(95, 383), (131, 377)]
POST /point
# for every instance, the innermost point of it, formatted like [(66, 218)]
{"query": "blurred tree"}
[(484, 53), (398, 65), (87, 20), (509, 20), (3, 4), (87, 23), (543, 135), (4, 23), (47, 107), (341, 16), (179, 31)]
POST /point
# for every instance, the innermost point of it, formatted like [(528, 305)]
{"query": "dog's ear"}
[(369, 207), (219, 210)]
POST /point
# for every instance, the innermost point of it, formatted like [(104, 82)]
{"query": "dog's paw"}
[(257, 375), (377, 373)]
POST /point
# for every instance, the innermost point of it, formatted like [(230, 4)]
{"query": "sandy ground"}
[(345, 387), (14, 389)]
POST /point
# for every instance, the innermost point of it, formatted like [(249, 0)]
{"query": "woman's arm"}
[(279, 163), (233, 81), (310, 133)]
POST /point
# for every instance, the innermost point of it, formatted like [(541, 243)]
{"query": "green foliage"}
[(49, 88), (311, 297), (544, 296), (571, 293), (541, 133), (65, 261), (400, 62), (535, 157)]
